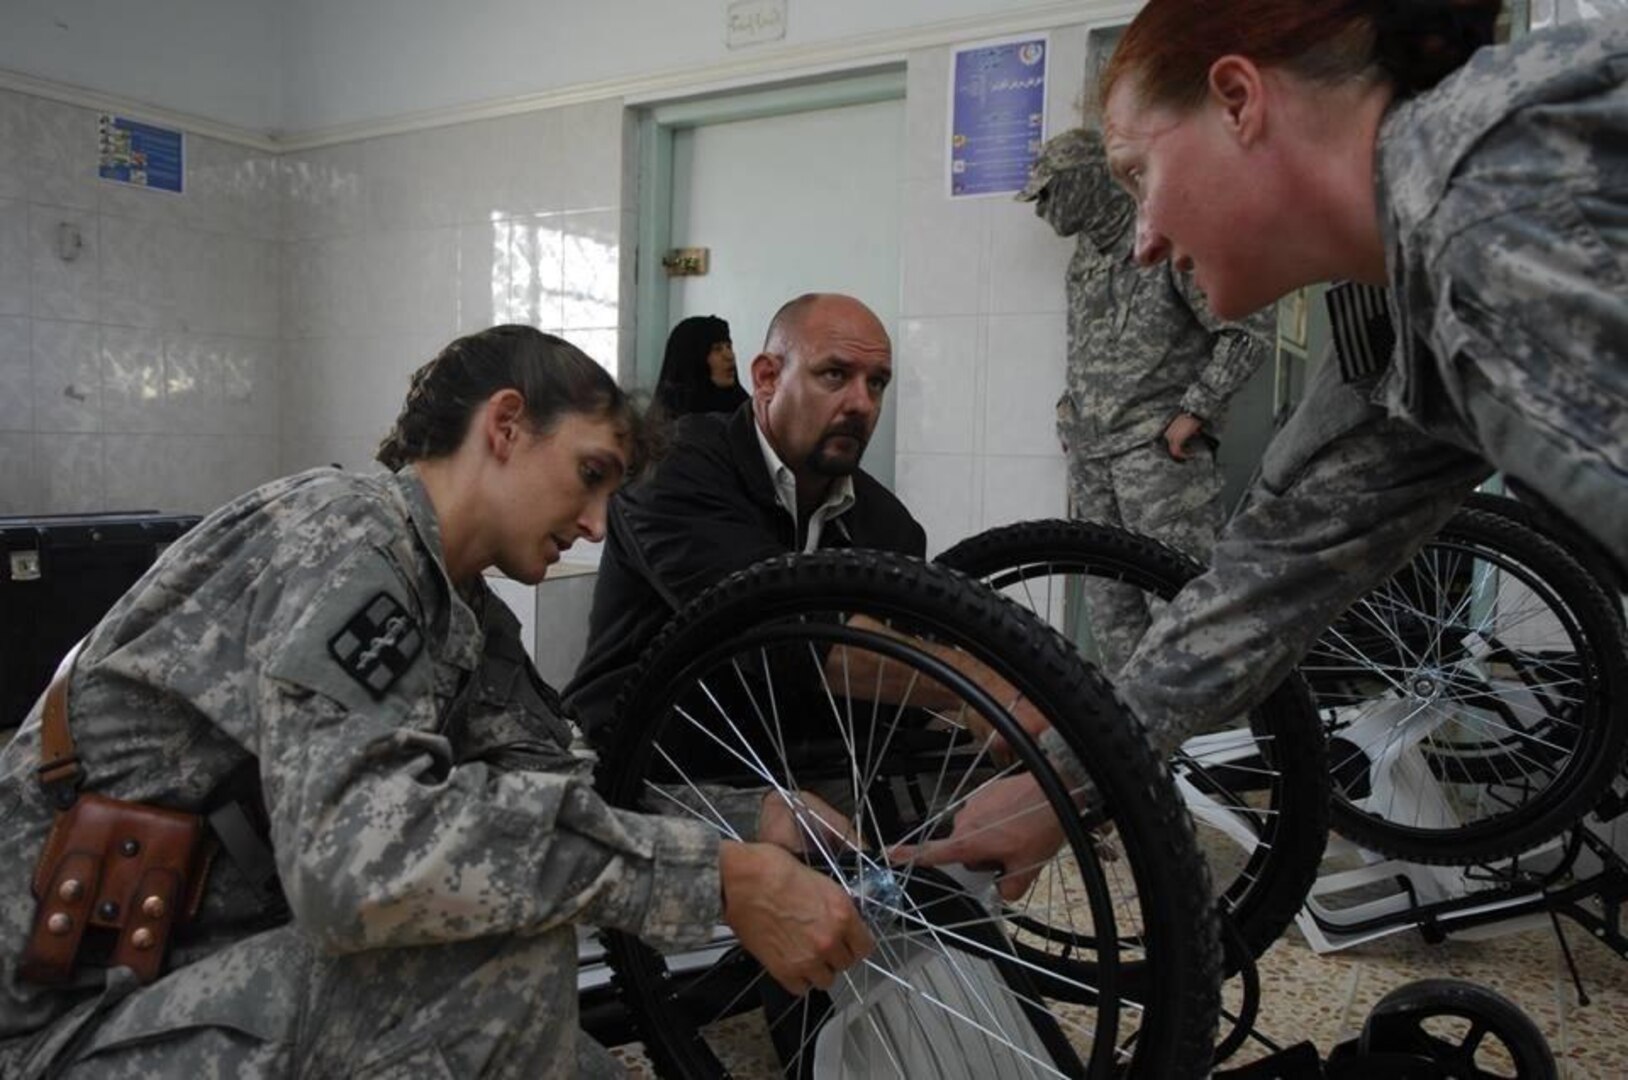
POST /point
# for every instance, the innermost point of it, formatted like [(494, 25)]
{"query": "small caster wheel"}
[(1467, 1031)]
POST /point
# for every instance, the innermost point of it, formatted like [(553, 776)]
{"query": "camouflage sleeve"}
[(1531, 316), (733, 812), (382, 841), (1237, 349), (1345, 497)]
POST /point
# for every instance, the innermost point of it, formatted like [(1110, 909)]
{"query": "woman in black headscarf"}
[(698, 371)]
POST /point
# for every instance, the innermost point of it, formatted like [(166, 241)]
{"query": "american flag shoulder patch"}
[(1364, 331)]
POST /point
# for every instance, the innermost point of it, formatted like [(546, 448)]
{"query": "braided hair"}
[(553, 376)]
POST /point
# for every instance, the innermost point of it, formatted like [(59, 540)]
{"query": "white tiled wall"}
[(982, 339), (267, 320), (140, 372), (396, 245)]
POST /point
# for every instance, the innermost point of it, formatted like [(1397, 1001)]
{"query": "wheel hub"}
[(880, 895)]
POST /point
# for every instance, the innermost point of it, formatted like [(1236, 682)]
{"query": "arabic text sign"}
[(997, 115), (753, 22)]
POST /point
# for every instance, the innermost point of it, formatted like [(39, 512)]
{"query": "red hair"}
[(1168, 48)]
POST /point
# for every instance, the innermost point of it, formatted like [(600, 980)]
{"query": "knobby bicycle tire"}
[(813, 595), (1268, 889)]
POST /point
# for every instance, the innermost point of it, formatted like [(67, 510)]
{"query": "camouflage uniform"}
[(1502, 204), (1142, 348), (435, 835)]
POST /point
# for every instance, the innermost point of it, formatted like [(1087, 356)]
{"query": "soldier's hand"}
[(800, 925), (1028, 716), (1008, 824), (1180, 430), (803, 823)]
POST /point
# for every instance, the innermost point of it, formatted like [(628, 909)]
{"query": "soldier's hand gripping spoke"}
[(1008, 824), (799, 924)]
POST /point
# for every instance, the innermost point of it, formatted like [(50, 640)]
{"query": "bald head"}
[(814, 311), (817, 386)]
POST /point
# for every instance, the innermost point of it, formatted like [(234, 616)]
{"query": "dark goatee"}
[(821, 461)]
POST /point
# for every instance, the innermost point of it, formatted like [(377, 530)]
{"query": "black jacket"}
[(707, 510)]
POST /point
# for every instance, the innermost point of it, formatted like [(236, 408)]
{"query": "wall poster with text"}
[(997, 115)]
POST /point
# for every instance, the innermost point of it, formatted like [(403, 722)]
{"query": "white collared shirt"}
[(839, 501)]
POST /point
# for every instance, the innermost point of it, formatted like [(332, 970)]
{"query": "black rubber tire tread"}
[(1262, 911), (1611, 580), (1174, 1042), (1519, 1033), (1602, 742)]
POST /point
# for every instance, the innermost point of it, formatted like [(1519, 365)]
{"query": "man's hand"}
[(1008, 823), (1180, 430), (1029, 718), (805, 824), (800, 925), (898, 683)]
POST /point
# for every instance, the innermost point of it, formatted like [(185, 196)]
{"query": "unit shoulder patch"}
[(378, 644)]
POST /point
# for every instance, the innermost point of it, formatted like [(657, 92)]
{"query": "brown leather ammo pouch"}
[(114, 877)]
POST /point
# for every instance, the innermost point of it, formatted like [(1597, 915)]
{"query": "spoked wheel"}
[(864, 678), (1467, 1032), (1258, 791), (1476, 704)]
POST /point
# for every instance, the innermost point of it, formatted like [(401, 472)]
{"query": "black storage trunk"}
[(59, 574)]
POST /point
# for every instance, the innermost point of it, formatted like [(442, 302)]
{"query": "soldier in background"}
[(324, 654), (1150, 372)]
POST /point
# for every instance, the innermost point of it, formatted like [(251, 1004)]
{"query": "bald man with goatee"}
[(781, 474)]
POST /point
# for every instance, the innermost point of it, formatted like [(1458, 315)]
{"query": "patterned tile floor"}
[(1325, 998)]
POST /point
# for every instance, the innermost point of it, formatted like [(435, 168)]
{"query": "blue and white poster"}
[(997, 115), (139, 154)]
